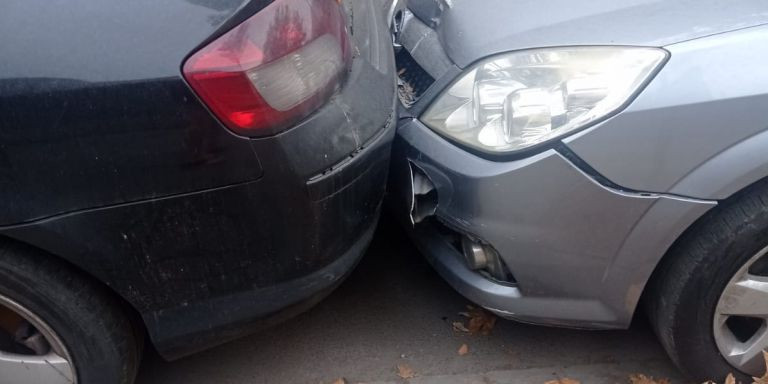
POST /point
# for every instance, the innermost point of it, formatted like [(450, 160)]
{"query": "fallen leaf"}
[(639, 378), (405, 371), (563, 380), (764, 378), (459, 326), (464, 349), (340, 380), (480, 321)]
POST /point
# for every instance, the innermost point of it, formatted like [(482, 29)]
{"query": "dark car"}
[(191, 170)]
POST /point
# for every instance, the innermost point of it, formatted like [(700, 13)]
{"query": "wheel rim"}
[(741, 317), (30, 351)]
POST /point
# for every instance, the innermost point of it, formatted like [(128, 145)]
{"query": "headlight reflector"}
[(517, 100)]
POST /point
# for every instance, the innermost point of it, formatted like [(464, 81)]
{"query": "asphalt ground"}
[(394, 310)]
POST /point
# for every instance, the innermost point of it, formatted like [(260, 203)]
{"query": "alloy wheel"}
[(740, 321), (30, 351)]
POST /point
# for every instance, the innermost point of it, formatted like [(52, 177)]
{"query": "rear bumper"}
[(206, 267), (280, 270), (580, 252), (181, 330)]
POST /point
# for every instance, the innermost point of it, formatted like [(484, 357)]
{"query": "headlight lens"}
[(517, 100)]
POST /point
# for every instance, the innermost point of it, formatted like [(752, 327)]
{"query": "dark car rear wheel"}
[(709, 301), (58, 327)]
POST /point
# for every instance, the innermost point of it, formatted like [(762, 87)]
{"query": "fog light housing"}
[(483, 258)]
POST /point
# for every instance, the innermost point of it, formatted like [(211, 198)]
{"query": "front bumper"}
[(580, 252)]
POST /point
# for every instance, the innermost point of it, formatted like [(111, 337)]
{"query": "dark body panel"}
[(110, 161), (93, 106)]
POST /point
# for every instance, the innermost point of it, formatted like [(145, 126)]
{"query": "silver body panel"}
[(709, 98), (471, 29), (580, 247)]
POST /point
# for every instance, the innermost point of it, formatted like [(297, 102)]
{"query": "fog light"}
[(483, 258), (474, 253)]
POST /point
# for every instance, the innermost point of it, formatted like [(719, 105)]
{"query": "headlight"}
[(517, 100)]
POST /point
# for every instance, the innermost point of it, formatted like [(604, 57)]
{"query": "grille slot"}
[(413, 80)]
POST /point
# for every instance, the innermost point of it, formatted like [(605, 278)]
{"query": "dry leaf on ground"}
[(764, 379), (563, 380), (405, 371), (340, 380), (639, 378), (459, 326), (463, 350), (480, 321), (730, 379)]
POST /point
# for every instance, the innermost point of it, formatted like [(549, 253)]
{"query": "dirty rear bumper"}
[(580, 252), (206, 267), (314, 244)]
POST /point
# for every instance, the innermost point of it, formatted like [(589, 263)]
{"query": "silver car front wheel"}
[(708, 299), (740, 327)]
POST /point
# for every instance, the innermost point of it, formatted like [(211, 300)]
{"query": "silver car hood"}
[(472, 29)]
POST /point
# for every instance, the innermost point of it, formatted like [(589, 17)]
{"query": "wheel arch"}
[(658, 273), (734, 169), (83, 273), (720, 180)]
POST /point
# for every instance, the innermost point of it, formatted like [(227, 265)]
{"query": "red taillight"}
[(275, 68)]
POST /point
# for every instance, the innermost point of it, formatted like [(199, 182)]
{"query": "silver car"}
[(564, 162)]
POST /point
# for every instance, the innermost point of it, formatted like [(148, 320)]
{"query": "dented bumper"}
[(579, 252)]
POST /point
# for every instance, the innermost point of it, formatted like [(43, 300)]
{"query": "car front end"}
[(503, 169)]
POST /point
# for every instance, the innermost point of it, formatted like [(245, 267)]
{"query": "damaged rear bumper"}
[(579, 253)]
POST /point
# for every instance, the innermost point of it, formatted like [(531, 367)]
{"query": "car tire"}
[(684, 297), (93, 331)]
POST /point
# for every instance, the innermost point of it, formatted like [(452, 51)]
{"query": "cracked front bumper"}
[(580, 252)]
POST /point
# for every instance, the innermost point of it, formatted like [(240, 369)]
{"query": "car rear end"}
[(217, 165), (311, 85)]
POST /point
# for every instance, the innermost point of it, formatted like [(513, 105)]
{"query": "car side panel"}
[(703, 113), (729, 172), (94, 110)]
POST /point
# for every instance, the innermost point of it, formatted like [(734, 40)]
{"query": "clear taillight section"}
[(275, 68)]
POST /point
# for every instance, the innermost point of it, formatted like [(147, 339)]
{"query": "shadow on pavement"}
[(394, 309)]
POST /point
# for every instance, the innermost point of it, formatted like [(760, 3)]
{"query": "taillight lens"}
[(275, 68)]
